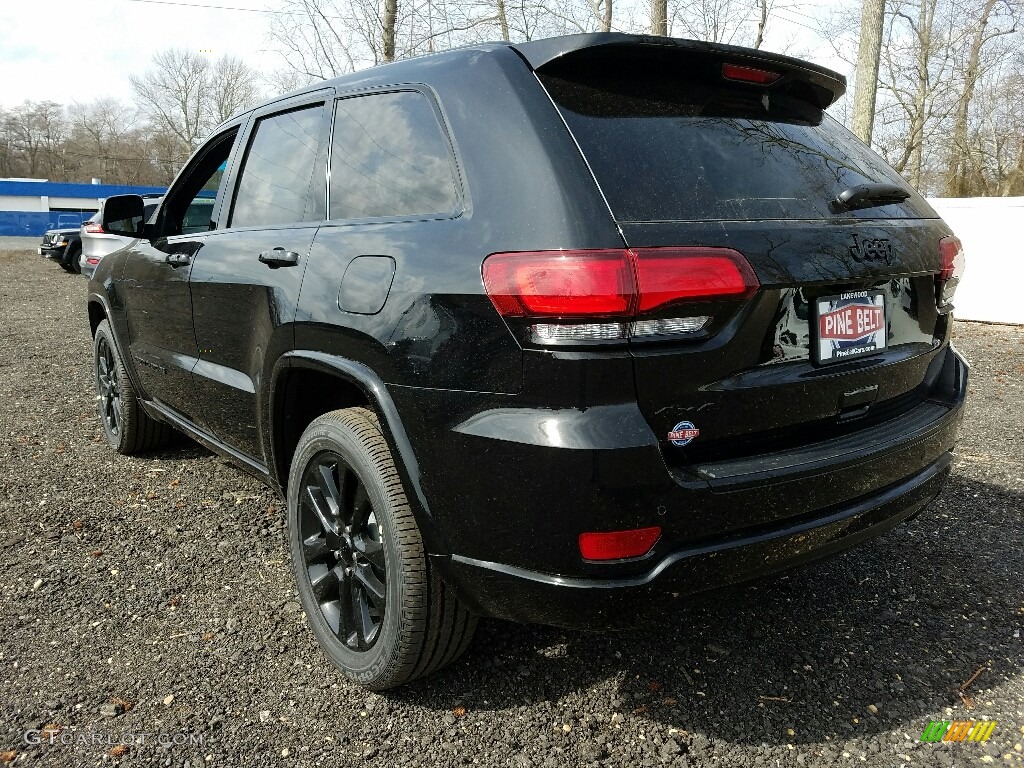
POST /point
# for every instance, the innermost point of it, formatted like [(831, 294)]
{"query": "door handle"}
[(178, 259), (279, 257)]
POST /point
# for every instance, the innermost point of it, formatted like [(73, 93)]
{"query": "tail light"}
[(611, 295), (618, 545), (95, 229), (952, 253)]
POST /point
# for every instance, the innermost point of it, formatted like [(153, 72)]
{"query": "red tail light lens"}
[(952, 252), (613, 283), (618, 545), (749, 74), (560, 283), (94, 229), (666, 275)]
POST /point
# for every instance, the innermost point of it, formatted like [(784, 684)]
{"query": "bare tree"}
[(173, 94), (872, 22), (983, 33), (185, 96), (659, 17)]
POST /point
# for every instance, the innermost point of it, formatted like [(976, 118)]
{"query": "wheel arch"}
[(353, 384)]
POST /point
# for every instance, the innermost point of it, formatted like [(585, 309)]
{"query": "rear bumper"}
[(502, 591), (510, 496)]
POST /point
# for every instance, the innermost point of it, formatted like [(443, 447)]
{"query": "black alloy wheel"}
[(127, 427), (342, 550), (109, 387), (372, 598)]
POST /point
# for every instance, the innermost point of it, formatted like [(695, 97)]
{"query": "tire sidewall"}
[(369, 666)]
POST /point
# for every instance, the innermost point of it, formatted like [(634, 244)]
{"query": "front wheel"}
[(128, 429), (377, 607)]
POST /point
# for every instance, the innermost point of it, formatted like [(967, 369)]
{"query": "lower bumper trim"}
[(509, 592)]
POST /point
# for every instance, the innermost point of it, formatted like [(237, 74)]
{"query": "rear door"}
[(245, 280), (693, 151)]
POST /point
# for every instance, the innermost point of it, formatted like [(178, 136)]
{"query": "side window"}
[(274, 184), (389, 158), (201, 185)]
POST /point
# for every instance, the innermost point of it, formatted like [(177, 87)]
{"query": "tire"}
[(125, 425), (70, 262), (378, 609)]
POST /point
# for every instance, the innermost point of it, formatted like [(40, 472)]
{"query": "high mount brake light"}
[(749, 74), (613, 285)]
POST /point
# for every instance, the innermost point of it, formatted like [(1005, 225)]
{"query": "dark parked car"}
[(544, 331), (63, 246)]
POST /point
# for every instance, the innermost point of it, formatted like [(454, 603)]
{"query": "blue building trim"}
[(35, 223), (63, 189)]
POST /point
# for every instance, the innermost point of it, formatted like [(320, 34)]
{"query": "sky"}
[(69, 51)]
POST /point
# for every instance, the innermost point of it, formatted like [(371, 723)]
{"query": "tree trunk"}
[(956, 176), (503, 19), (606, 22), (390, 17), (659, 17), (764, 23), (872, 19)]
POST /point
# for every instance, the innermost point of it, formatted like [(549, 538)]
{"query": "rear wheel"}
[(379, 610), (125, 425)]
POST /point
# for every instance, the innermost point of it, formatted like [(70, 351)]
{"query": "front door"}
[(155, 282), (245, 280)]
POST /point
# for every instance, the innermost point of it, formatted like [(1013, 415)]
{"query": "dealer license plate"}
[(849, 325)]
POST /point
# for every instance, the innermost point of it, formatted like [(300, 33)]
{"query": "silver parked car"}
[(97, 242)]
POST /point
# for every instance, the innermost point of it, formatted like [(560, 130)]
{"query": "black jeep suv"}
[(542, 331), (64, 245)]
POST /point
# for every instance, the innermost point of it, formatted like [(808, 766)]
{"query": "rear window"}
[(671, 142)]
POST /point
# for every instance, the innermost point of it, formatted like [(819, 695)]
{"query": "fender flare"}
[(372, 386)]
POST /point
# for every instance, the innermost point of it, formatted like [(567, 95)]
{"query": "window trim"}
[(312, 213), (237, 129), (458, 180)]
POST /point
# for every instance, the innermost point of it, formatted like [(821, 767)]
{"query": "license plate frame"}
[(848, 326)]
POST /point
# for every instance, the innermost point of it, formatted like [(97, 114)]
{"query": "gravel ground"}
[(152, 596)]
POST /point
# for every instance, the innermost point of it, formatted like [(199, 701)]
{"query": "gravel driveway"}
[(150, 599)]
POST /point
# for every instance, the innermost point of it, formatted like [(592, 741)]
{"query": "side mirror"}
[(124, 215)]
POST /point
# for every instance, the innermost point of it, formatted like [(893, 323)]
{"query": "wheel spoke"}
[(325, 582), (373, 586), (371, 550), (322, 509), (332, 614), (361, 507), (363, 621), (328, 488), (314, 548)]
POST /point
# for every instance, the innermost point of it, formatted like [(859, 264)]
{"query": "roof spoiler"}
[(826, 85)]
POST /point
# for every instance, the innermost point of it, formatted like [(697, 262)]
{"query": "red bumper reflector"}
[(93, 261), (618, 545)]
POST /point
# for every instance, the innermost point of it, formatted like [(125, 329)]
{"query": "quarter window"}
[(389, 158), (274, 185)]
